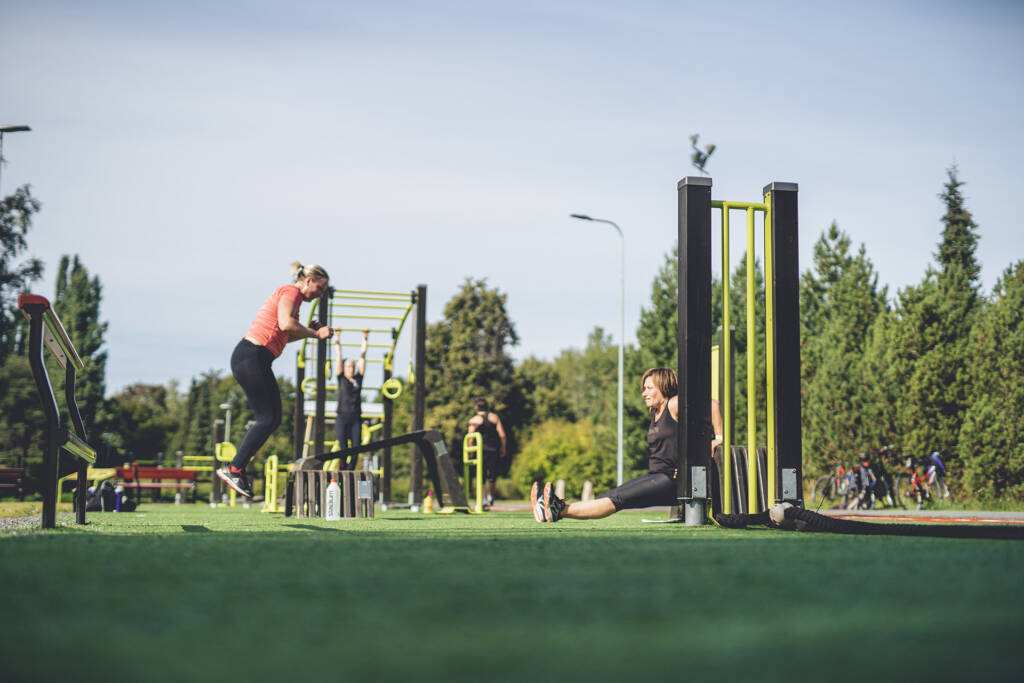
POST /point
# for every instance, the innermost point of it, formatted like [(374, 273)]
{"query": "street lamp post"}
[(622, 325), (8, 129)]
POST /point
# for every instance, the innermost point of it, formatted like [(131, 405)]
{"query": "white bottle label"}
[(333, 501)]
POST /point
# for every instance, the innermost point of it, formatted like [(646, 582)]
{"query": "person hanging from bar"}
[(659, 387), (276, 324), (349, 421)]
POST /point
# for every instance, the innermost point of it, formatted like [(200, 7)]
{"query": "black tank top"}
[(350, 394), (661, 440), (489, 434)]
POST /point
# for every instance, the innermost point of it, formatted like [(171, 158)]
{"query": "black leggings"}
[(250, 364), (348, 429), (645, 491)]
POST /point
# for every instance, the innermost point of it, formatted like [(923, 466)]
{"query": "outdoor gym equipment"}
[(45, 328), (700, 481), (351, 312), (430, 446), (473, 456)]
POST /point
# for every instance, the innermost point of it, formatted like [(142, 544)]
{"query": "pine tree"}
[(198, 439), (657, 333), (991, 442), (930, 362), (840, 300), (959, 234), (77, 303), (879, 393)]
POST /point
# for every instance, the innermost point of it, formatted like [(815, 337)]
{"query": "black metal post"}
[(49, 404), (389, 414), (216, 487), (81, 465), (694, 339), (319, 422), (786, 304), (727, 393), (420, 393), (299, 428)]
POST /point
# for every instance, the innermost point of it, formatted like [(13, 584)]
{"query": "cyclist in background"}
[(935, 476)]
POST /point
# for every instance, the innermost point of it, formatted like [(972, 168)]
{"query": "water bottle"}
[(333, 511), (428, 503), (118, 496)]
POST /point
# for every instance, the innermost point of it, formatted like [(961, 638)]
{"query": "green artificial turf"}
[(184, 593)]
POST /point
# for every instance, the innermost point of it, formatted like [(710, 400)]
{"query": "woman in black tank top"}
[(658, 486)]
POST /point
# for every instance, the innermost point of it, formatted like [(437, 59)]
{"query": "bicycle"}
[(863, 483), (830, 487), (916, 486)]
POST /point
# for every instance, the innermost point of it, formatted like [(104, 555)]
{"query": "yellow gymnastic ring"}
[(392, 389)]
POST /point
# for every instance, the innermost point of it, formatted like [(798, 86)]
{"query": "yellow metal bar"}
[(769, 343), (76, 446), (390, 358), (750, 208), (751, 372), (474, 444), (360, 329), (739, 206), (311, 382), (344, 292), (270, 485), (726, 400), (371, 306), (373, 317)]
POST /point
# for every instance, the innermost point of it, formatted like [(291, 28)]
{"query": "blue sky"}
[(189, 151)]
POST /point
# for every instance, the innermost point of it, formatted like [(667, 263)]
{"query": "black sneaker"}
[(553, 505), (537, 502), (236, 480)]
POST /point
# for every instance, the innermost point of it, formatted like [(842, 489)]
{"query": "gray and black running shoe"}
[(537, 502), (236, 480), (553, 505)]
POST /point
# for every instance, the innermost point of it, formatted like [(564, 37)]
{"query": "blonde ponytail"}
[(312, 270)]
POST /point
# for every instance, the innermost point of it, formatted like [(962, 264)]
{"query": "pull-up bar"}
[(347, 311)]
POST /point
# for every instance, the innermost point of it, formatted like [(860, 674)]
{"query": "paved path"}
[(939, 516)]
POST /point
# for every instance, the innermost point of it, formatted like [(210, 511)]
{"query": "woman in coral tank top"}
[(276, 324)]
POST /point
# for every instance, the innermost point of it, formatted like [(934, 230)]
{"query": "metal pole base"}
[(695, 512)]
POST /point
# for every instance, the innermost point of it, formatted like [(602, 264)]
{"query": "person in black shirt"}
[(349, 420), (492, 432), (658, 487)]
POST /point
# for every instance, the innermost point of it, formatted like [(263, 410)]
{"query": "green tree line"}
[(939, 366)]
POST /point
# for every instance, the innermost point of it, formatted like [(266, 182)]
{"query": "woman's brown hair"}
[(665, 380)]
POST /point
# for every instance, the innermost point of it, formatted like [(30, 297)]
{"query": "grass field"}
[(183, 593)]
